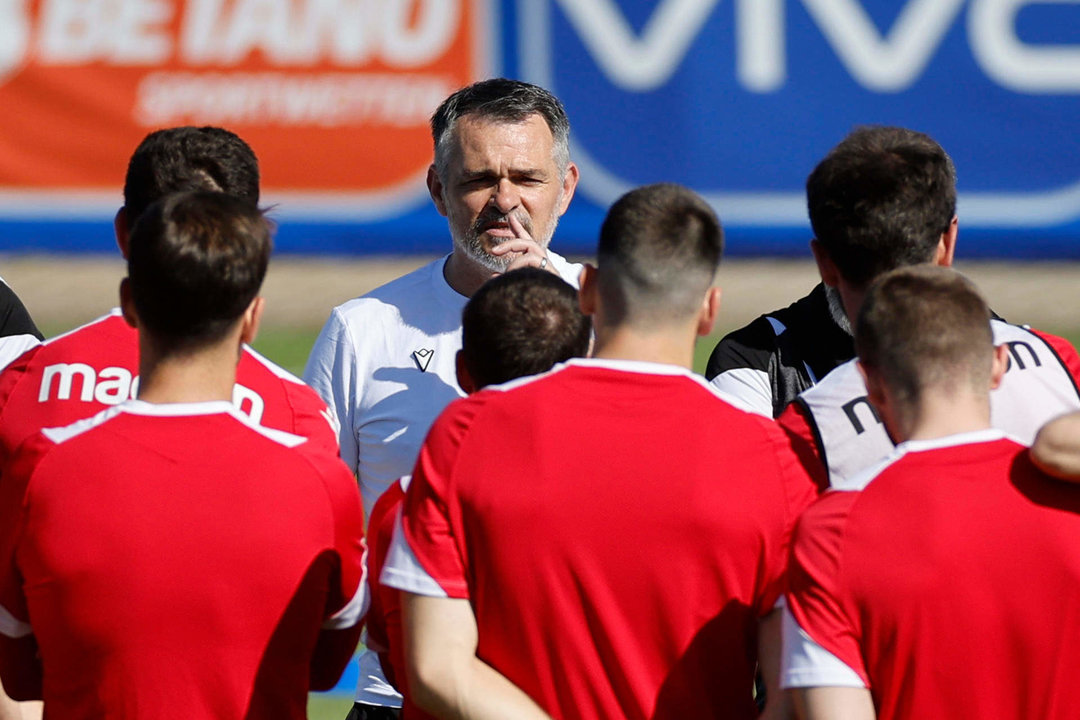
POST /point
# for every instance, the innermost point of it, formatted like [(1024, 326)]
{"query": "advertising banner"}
[(736, 98)]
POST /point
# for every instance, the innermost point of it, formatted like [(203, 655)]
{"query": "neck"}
[(940, 414), (204, 375), (465, 276), (668, 346)]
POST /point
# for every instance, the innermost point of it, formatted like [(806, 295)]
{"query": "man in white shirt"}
[(384, 362)]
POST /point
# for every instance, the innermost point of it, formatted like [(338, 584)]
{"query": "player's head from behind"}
[(884, 198), (185, 159), (659, 248), (196, 264), (517, 324), (926, 348)]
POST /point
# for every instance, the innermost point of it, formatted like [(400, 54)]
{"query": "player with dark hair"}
[(943, 582), (187, 158), (518, 324), (884, 197), (169, 555), (569, 545), (77, 374), (502, 177), (881, 198)]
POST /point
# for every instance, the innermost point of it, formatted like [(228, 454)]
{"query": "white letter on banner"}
[(632, 63), (342, 27), (199, 43), (258, 25), (14, 35), (892, 63), (72, 31), (405, 46), (140, 36), (1023, 68), (760, 51)]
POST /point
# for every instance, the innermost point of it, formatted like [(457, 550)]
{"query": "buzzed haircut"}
[(188, 158), (501, 100), (659, 249), (880, 200), (522, 323), (925, 327), (197, 261)]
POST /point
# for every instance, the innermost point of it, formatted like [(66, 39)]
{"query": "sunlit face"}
[(495, 170)]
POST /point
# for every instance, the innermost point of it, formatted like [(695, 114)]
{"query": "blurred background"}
[(738, 99)]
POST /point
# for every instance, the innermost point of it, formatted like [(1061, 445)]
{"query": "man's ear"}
[(127, 304), (875, 388), (122, 230), (569, 184), (436, 189), (1000, 365), (464, 379), (947, 244), (710, 308), (587, 293), (825, 265), (249, 323)]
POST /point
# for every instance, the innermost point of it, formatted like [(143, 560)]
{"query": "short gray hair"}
[(503, 100)]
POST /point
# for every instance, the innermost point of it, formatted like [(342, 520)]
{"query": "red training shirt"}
[(177, 559), (618, 529), (949, 585)]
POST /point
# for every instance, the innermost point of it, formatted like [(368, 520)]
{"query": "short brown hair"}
[(522, 323), (197, 261), (880, 200), (659, 249), (925, 326)]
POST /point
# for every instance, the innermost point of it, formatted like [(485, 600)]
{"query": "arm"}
[(445, 676), (1056, 449), (777, 702), (834, 703), (332, 373)]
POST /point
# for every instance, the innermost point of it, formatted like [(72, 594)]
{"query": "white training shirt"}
[(385, 365)]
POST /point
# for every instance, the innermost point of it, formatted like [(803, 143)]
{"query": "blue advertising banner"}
[(736, 98)]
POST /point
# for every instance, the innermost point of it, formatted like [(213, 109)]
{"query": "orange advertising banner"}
[(333, 95)]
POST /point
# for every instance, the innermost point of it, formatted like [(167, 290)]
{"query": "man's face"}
[(496, 171)]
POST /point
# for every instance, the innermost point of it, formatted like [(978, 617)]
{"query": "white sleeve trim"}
[(354, 610), (403, 571), (751, 387), (13, 627), (804, 663), (13, 346)]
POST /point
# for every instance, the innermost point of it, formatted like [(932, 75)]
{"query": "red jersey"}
[(178, 559), (383, 621), (949, 585), (80, 373), (618, 529)]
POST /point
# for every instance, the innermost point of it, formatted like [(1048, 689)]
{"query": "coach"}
[(385, 362)]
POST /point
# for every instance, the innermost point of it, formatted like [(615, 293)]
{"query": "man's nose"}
[(506, 197)]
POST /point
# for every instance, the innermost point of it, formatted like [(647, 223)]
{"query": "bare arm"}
[(1057, 447), (833, 703), (445, 676), (777, 702)]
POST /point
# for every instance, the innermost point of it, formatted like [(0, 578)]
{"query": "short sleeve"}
[(797, 491), (349, 597), (431, 526), (794, 421), (331, 371), (818, 597), (14, 616)]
